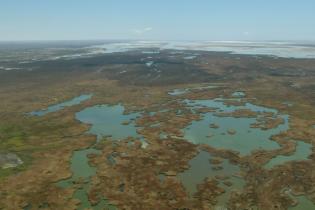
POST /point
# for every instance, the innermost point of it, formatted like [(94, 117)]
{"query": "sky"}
[(157, 19)]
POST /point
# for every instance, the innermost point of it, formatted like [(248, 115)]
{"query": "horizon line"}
[(161, 40)]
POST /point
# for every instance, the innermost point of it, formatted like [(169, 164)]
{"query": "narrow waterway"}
[(60, 106)]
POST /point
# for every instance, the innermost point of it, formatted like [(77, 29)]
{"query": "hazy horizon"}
[(151, 20), (162, 40)]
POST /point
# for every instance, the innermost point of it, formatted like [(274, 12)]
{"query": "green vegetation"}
[(12, 138)]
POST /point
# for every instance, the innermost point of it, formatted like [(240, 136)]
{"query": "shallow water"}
[(82, 171), (288, 104), (106, 120), (303, 150), (9, 160), (60, 106), (177, 92), (245, 140), (304, 204), (163, 135), (149, 64), (201, 168), (238, 94), (190, 57), (80, 167), (279, 49), (219, 103)]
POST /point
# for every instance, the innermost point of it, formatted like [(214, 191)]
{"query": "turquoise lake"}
[(245, 139), (107, 120)]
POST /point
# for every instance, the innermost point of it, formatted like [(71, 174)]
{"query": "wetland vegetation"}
[(158, 129)]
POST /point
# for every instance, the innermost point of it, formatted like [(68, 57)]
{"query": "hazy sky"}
[(157, 19)]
